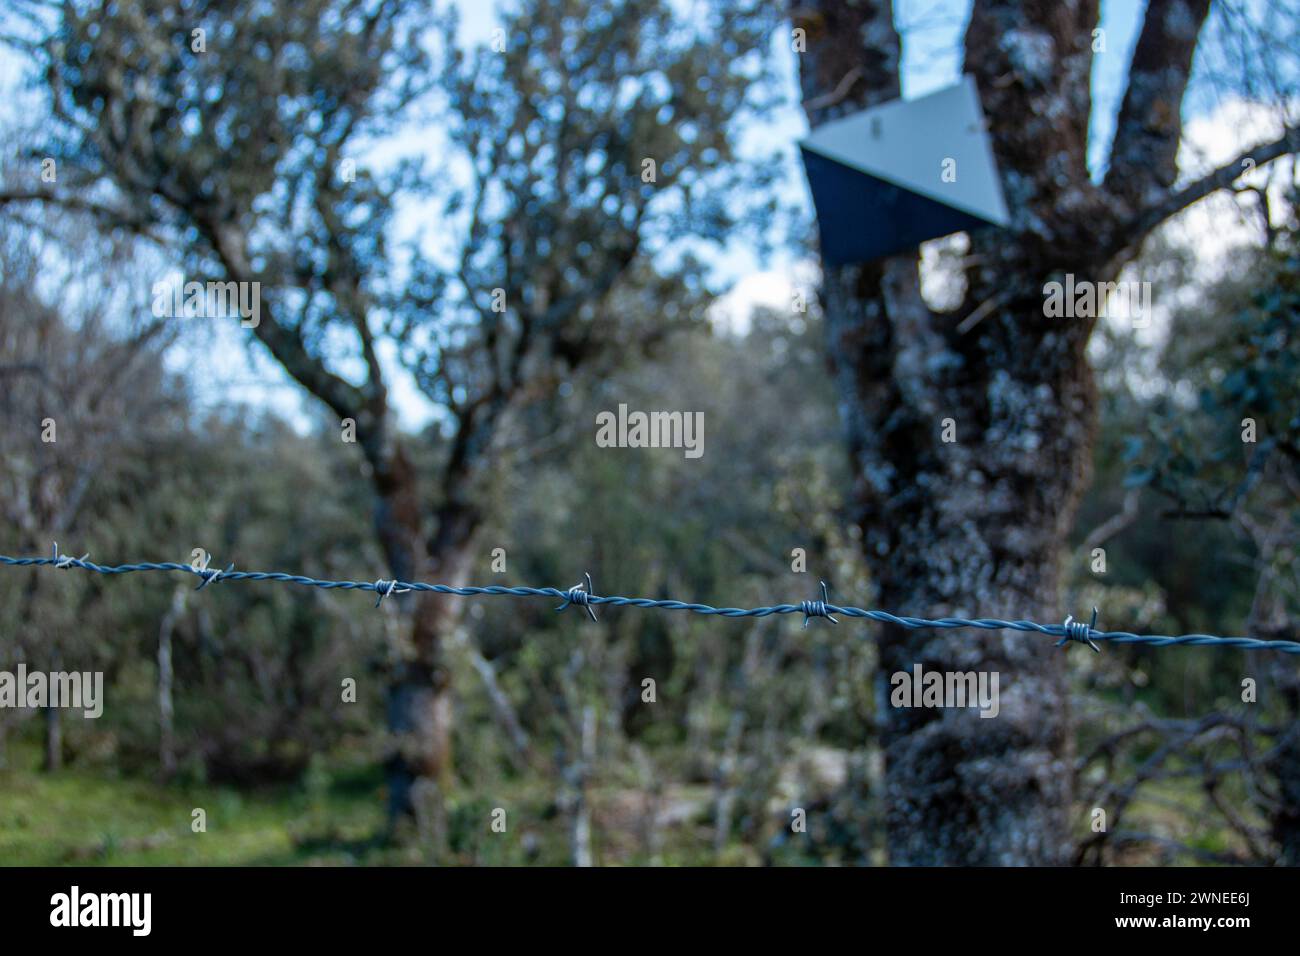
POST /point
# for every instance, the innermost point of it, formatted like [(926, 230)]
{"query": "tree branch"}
[(1175, 201), (1114, 524), (1144, 154), (285, 344), (853, 57), (107, 215)]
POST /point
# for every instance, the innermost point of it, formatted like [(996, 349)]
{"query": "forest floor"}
[(335, 817), (87, 817)]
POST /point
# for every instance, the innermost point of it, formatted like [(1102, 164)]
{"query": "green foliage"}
[(1227, 363), (533, 159)]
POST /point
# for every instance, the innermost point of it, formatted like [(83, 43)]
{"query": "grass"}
[(82, 816), (335, 817), (92, 816)]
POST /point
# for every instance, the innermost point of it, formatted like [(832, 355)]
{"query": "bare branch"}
[(1113, 525), (107, 215), (286, 344), (836, 95), (1175, 201), (1144, 154)]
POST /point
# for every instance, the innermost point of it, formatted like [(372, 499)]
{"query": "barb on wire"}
[(384, 588), (580, 596), (208, 575), (1078, 631), (1070, 631), (812, 609), (64, 561)]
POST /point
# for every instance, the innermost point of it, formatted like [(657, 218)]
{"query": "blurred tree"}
[(134, 469), (72, 427), (235, 131), (1222, 445), (976, 527), (740, 704)]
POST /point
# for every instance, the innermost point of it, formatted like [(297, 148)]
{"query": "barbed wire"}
[(584, 596)]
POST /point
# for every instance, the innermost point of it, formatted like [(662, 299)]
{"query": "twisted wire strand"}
[(582, 596)]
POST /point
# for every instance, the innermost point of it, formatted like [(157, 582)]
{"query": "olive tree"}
[(566, 157)]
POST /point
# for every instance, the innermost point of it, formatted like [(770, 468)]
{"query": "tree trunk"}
[(962, 789), (968, 528), (53, 739), (166, 730), (419, 698), (166, 679), (968, 524), (580, 836), (420, 714)]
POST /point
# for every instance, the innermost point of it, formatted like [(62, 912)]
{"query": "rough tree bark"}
[(976, 527)]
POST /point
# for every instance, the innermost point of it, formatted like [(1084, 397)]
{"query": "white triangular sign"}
[(910, 143)]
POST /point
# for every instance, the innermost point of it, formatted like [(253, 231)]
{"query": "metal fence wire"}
[(583, 595)]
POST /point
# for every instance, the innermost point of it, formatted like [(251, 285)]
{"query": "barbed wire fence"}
[(583, 595)]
